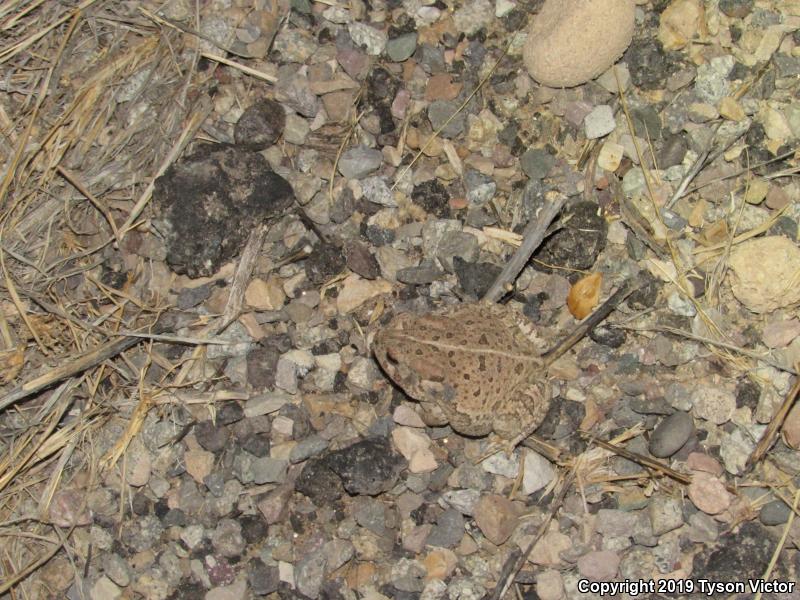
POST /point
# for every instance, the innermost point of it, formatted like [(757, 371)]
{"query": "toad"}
[(470, 366)]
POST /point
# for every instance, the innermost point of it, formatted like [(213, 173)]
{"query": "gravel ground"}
[(292, 467)]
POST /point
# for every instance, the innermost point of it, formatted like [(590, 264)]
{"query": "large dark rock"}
[(209, 202)]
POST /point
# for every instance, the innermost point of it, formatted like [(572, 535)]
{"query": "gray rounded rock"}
[(537, 162), (402, 47), (441, 110), (360, 161), (774, 513), (671, 434)]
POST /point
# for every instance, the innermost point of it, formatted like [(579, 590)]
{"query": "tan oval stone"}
[(680, 22), (765, 273), (573, 41)]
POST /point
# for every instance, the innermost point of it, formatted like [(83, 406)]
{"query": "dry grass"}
[(98, 100)]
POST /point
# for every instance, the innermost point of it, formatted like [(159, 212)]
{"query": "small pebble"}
[(600, 122), (778, 334), (497, 517), (708, 493), (377, 191), (440, 111), (537, 473), (537, 163), (671, 434), (228, 592), (610, 156), (260, 125), (402, 47), (550, 585), (791, 427), (373, 40), (774, 513), (697, 461), (665, 513), (358, 162), (616, 523), (104, 589), (440, 563), (463, 501), (547, 551), (448, 531), (599, 565), (736, 9), (714, 404)]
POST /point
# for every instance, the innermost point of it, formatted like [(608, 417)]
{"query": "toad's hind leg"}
[(473, 425), (524, 412)]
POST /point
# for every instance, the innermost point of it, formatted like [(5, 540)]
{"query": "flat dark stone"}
[(209, 202), (367, 467)]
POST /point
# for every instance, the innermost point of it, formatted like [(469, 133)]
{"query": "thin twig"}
[(706, 340), (764, 163), (646, 461), (532, 237), (96, 202), (779, 548), (771, 432), (350, 131), (517, 560), (237, 65), (73, 367), (247, 262)]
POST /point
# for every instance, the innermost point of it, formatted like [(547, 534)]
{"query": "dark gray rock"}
[(260, 125), (577, 245), (360, 161), (774, 513), (433, 197), (208, 203), (736, 9), (211, 436), (257, 444), (441, 110), (480, 188), (263, 580), (671, 434), (738, 556), (475, 278), (367, 467), (360, 260), (227, 538), (402, 47), (537, 162), (420, 275), (319, 482), (229, 413), (671, 151), (448, 531), (305, 449)]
